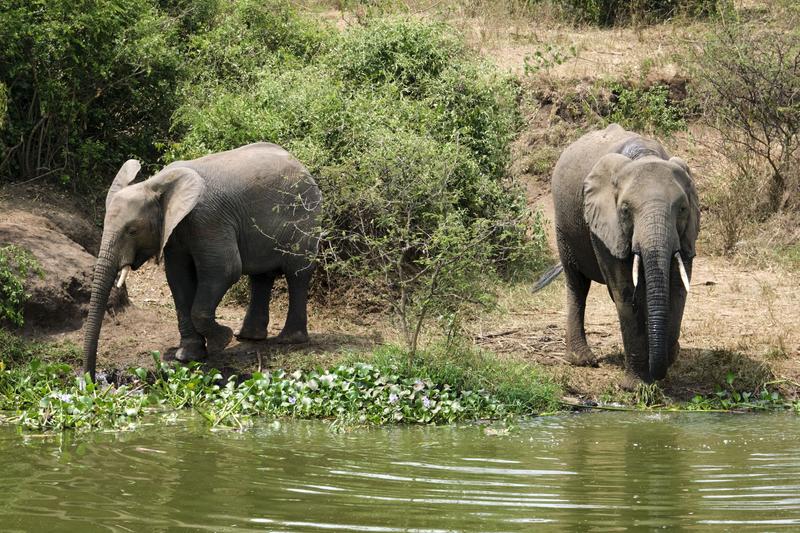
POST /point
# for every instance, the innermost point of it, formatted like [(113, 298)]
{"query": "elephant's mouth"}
[(139, 261), (681, 269)]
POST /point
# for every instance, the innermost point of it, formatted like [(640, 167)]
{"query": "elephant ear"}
[(689, 235), (600, 204), (127, 173), (179, 189)]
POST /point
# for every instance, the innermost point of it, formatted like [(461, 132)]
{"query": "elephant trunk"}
[(105, 271), (656, 250)]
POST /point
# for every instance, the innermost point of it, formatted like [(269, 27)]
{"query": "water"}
[(588, 472)]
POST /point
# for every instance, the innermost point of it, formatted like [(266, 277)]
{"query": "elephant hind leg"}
[(578, 352), (295, 331), (254, 326)]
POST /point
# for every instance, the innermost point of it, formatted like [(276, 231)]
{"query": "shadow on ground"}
[(245, 357), (701, 371)]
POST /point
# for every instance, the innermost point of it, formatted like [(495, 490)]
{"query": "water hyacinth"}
[(51, 397)]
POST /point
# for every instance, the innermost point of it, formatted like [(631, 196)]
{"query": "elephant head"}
[(645, 212), (139, 221)]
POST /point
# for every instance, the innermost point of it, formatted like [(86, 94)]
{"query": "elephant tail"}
[(547, 277)]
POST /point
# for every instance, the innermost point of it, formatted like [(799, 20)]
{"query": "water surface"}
[(590, 472)]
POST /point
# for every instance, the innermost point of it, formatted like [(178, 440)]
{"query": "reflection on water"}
[(589, 472)]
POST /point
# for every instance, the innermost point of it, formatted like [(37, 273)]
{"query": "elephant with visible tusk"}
[(253, 210), (626, 215)]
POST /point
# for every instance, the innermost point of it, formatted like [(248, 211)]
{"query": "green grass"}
[(15, 350), (522, 387), (790, 256)]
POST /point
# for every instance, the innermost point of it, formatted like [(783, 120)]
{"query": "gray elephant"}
[(253, 210), (624, 207)]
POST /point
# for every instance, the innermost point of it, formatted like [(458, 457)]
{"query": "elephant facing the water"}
[(252, 210), (627, 216)]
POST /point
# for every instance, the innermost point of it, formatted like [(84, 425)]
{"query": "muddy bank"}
[(63, 241)]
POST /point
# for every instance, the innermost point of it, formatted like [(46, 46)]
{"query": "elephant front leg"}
[(295, 331), (214, 278), (578, 352), (254, 326), (182, 282)]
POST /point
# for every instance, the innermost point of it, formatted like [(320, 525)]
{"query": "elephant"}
[(624, 207), (253, 210)]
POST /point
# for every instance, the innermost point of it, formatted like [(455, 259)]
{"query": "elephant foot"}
[(191, 351), (582, 356), (631, 382), (297, 337), (251, 333), (219, 338)]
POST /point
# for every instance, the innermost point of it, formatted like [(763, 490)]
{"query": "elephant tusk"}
[(635, 272), (682, 270), (123, 275)]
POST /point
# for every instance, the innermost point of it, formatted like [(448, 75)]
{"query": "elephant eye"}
[(132, 232)]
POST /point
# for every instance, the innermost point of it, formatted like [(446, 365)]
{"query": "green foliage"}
[(727, 398), (645, 109), (522, 387), (403, 52), (244, 36), (611, 12), (89, 83), (50, 397), (408, 137), (15, 350), (43, 396), (16, 264)]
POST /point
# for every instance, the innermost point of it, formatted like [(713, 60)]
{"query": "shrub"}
[(16, 264), (645, 109), (748, 80), (245, 36), (409, 138), (89, 83), (404, 52)]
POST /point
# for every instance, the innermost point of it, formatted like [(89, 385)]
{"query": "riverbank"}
[(741, 328)]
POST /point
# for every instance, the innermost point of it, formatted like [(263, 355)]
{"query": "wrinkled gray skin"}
[(617, 194), (252, 210)]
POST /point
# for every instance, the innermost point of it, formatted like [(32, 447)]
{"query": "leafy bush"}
[(244, 36), (747, 81), (89, 83), (405, 53), (409, 138), (16, 264), (610, 12), (645, 109)]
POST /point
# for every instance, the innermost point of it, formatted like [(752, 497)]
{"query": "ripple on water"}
[(583, 472)]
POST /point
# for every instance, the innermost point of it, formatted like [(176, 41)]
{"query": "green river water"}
[(584, 472)]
